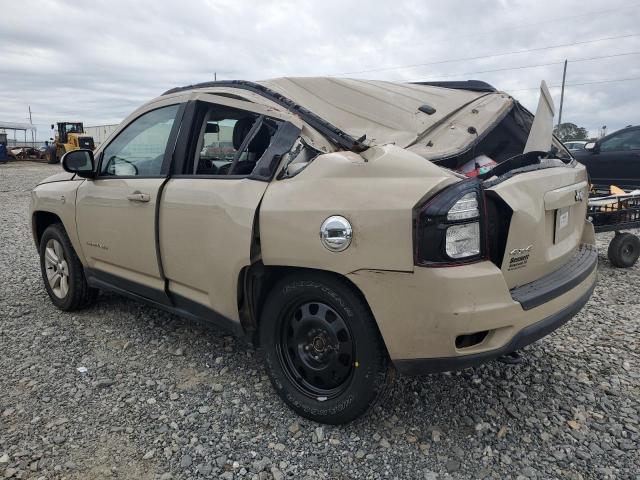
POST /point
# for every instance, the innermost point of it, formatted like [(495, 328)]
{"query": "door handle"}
[(138, 197)]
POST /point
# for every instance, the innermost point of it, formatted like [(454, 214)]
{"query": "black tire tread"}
[(52, 157), (615, 249), (361, 310), (80, 293)]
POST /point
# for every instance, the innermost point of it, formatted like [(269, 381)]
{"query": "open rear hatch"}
[(547, 210), (537, 206)]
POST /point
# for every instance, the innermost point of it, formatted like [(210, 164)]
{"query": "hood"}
[(58, 177), (386, 112)]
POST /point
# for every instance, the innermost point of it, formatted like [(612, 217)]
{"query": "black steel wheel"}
[(322, 349), (624, 250), (316, 349)]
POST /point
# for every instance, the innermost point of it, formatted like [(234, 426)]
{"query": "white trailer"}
[(100, 132)]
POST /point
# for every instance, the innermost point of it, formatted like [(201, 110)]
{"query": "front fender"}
[(57, 198)]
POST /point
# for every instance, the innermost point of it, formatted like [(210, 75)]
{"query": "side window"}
[(231, 141), (629, 140), (139, 149)]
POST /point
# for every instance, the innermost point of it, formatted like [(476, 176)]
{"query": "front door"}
[(116, 212)]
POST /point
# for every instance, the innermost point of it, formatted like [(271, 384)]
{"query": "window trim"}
[(169, 151), (230, 177)]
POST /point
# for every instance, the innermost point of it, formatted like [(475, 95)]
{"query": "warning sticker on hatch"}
[(519, 257)]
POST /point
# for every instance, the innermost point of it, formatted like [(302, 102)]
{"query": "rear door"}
[(228, 152), (116, 211)]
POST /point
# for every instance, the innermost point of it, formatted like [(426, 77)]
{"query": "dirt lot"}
[(163, 398)]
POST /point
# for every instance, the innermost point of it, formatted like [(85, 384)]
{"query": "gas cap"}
[(336, 233)]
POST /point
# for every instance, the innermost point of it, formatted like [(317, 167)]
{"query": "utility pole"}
[(215, 76), (564, 76), (31, 122)]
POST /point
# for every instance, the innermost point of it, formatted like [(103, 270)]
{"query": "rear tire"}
[(624, 250), (62, 271), (322, 349)]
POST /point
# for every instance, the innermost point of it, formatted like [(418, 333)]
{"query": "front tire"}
[(50, 155), (322, 349), (62, 271)]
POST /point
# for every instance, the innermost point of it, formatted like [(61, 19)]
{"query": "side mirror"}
[(591, 146), (80, 162)]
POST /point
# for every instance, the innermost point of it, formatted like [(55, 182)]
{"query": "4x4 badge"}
[(520, 251)]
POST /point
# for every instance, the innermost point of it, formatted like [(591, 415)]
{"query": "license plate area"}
[(562, 222)]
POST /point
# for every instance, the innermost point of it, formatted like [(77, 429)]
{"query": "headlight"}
[(463, 240)]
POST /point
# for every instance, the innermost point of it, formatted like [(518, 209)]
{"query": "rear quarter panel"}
[(376, 191)]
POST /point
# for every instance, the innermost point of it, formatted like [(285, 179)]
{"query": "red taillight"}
[(450, 227)]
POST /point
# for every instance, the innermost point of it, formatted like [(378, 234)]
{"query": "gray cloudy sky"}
[(95, 61)]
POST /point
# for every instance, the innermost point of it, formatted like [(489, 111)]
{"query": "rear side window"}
[(230, 141), (217, 148), (139, 149)]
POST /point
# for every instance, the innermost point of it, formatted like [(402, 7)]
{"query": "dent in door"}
[(206, 227)]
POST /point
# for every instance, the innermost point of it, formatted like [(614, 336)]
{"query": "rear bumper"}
[(521, 339), (556, 283), (440, 319)]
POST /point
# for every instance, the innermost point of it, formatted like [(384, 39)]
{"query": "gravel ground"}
[(164, 398)]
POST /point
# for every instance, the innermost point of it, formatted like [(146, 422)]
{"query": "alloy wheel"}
[(57, 268)]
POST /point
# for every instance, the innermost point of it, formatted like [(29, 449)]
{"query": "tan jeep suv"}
[(349, 228)]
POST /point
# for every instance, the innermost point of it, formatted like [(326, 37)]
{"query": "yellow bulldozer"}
[(69, 136)]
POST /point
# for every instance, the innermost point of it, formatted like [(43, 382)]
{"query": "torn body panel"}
[(376, 191)]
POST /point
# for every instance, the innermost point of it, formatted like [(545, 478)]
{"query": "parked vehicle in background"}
[(341, 237), (27, 153), (573, 145), (100, 133), (613, 160)]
